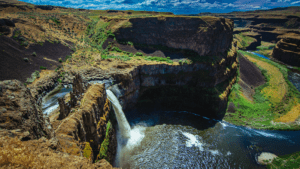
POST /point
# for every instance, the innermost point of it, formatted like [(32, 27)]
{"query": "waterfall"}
[(124, 126)]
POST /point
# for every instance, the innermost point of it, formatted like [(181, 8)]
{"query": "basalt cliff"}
[(287, 50)]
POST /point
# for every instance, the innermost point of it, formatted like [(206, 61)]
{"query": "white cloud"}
[(296, 2)]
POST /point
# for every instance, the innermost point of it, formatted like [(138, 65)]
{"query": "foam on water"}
[(193, 141), (50, 109), (136, 136)]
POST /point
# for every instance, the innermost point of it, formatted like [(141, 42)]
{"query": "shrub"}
[(33, 54), (43, 68), (37, 74), (25, 43), (139, 54), (25, 59), (116, 49), (60, 60), (130, 43), (87, 152)]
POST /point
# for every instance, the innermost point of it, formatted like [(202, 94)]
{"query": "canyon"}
[(173, 63)]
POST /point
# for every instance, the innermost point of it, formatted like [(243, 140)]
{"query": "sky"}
[(175, 6)]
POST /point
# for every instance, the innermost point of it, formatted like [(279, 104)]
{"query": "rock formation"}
[(75, 96), (87, 124), (287, 50), (205, 35), (19, 112)]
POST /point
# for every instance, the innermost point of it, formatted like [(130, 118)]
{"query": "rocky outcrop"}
[(19, 112), (75, 96), (87, 123), (287, 50), (5, 25), (205, 35)]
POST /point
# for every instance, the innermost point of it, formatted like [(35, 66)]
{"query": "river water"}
[(179, 139)]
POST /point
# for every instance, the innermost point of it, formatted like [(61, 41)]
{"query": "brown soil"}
[(12, 57), (251, 77)]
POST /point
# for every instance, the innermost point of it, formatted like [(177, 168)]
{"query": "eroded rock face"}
[(287, 50), (87, 122), (19, 111), (197, 77), (205, 35)]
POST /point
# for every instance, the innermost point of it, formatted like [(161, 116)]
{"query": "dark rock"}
[(19, 111), (206, 35), (287, 50), (231, 108)]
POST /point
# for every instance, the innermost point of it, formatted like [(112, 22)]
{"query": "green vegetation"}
[(267, 105), (290, 161), (33, 54), (26, 59), (96, 34), (265, 48), (43, 68), (158, 59), (105, 144), (55, 20), (87, 152), (123, 58), (34, 76), (139, 54), (243, 41)]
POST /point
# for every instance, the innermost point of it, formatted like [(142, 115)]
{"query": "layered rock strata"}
[(287, 50), (87, 123), (200, 77), (204, 35)]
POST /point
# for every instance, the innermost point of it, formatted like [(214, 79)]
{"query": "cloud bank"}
[(175, 6)]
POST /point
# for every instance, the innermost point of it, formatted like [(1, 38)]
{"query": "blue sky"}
[(175, 6)]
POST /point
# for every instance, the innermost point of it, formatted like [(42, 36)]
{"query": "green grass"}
[(243, 41), (260, 113), (123, 58), (290, 161), (34, 76), (158, 59), (42, 67), (105, 144)]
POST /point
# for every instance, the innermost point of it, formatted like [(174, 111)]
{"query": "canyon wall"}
[(287, 50), (194, 83), (204, 35)]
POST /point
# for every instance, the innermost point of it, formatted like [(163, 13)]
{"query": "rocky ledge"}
[(204, 35), (287, 50)]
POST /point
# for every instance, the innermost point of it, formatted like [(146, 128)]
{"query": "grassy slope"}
[(290, 161), (264, 48), (243, 41), (276, 100)]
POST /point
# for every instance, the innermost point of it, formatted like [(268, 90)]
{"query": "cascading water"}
[(127, 138), (124, 126)]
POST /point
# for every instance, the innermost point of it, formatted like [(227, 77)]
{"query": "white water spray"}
[(122, 121)]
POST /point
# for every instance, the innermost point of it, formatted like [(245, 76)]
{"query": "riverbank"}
[(275, 104)]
